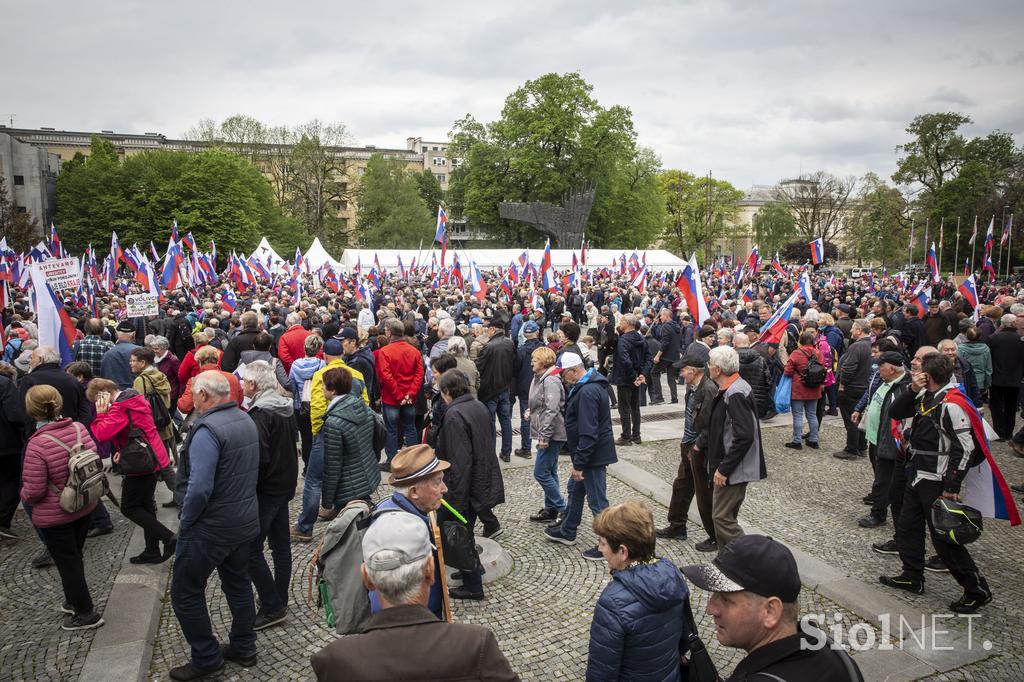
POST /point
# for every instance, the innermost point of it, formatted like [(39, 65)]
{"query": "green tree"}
[(880, 220), (430, 190), (90, 191), (935, 153), (819, 203), (554, 137), (20, 229), (392, 213), (774, 226), (696, 212)]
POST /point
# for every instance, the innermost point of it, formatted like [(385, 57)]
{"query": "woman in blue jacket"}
[(638, 619)]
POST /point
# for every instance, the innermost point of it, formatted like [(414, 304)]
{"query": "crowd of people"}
[(416, 388)]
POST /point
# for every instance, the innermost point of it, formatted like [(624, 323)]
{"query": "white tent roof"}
[(265, 249), (487, 259), (316, 255)]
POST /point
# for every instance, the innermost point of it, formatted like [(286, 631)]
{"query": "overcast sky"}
[(752, 91)]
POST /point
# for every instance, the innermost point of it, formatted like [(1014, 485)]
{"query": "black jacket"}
[(1007, 357), (886, 444), (177, 333), (241, 341), (76, 405), (588, 423), (524, 368), (855, 365), (497, 365), (703, 396), (362, 361), (786, 659), (632, 358), (474, 477), (274, 416), (670, 338), (13, 420), (754, 371)]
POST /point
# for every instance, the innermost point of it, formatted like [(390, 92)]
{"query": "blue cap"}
[(531, 327), (333, 347)]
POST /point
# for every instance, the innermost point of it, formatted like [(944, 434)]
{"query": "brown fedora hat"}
[(414, 463)]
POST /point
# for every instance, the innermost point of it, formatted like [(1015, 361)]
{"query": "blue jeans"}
[(272, 587), (545, 470), (524, 424), (502, 407), (399, 417), (800, 407), (195, 560), (100, 517), (594, 487), (312, 486)]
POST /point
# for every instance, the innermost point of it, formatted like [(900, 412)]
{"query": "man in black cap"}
[(497, 365), (114, 365), (692, 479), (756, 583)]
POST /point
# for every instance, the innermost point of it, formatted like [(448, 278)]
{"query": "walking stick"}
[(442, 576)]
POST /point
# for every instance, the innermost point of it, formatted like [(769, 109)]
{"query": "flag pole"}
[(1009, 245), (974, 241), (924, 250), (942, 234), (999, 261), (910, 248), (956, 251)]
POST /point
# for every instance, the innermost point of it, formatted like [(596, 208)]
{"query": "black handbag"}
[(695, 661), (137, 457), (459, 546)]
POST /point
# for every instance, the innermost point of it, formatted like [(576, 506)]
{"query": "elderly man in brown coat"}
[(397, 564)]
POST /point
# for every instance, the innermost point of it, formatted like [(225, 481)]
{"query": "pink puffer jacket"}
[(46, 462), (113, 426)]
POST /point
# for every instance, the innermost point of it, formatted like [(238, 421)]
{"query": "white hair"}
[(398, 585), (1007, 320), (261, 374), (157, 341), (447, 327), (293, 319), (725, 359), (457, 346), (811, 315), (863, 325), (212, 383), (48, 354)]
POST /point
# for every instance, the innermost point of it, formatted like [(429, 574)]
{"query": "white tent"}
[(316, 255), (264, 250), (489, 259)]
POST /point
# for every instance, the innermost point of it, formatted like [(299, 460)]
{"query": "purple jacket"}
[(46, 462)]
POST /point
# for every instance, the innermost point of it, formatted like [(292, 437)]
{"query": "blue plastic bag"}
[(783, 393)]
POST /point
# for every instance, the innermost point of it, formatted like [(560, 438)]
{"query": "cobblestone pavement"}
[(540, 612), (813, 500), (34, 647)]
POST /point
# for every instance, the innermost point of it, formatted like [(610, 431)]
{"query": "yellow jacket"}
[(317, 400)]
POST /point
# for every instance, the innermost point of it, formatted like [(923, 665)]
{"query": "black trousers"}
[(663, 367), (881, 500), (915, 515), (306, 433), (65, 543), (138, 505), (856, 441), (1003, 402), (10, 483), (629, 410)]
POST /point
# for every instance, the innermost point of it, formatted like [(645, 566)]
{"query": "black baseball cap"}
[(126, 326), (690, 360), (751, 563), (496, 323), (891, 357), (348, 333)]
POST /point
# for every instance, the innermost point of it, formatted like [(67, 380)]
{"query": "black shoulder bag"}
[(695, 661), (136, 455)]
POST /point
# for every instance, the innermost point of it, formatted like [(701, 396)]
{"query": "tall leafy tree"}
[(880, 221), (935, 152), (696, 212), (430, 190), (774, 227), (819, 203), (392, 212)]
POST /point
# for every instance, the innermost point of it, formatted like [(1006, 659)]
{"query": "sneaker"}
[(659, 401), (67, 608), (637, 441), (493, 532), (170, 546), (505, 457), (670, 532), (544, 515), (558, 522), (902, 582), (42, 560), (887, 547), (845, 454), (463, 593), (555, 535), (525, 454), (935, 565), (96, 532), (265, 620), (82, 621), (8, 534), (794, 446), (148, 558), (622, 440), (594, 554), (674, 401), (229, 654), (871, 522), (709, 545), (300, 536), (862, 453), (969, 603), (813, 445), (1017, 448), (187, 672)]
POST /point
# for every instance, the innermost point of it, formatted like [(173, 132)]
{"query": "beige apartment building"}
[(61, 145)]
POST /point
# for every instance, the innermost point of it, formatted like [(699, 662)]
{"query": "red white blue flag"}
[(818, 251)]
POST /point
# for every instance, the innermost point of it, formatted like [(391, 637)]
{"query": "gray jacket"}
[(547, 398)]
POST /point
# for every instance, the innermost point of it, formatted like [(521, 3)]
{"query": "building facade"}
[(30, 175), (434, 157)]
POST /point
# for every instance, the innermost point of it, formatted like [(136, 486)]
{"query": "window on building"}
[(440, 177), (19, 179), (425, 149), (435, 148), (361, 171), (20, 209), (440, 161)]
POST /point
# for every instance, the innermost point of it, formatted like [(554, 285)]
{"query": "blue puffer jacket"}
[(302, 371), (588, 423), (637, 624)]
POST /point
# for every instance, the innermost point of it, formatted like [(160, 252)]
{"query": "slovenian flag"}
[(441, 233), (984, 487), (920, 298), (748, 295), (228, 301), (777, 266), (933, 264), (689, 285), (805, 287), (56, 328), (775, 327), (969, 290), (818, 251), (476, 280)]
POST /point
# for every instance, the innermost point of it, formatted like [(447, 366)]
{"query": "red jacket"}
[(185, 403), (292, 345), (113, 426), (795, 368), (46, 462), (400, 370)]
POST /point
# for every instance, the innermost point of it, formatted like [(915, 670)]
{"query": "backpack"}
[(12, 351), (335, 568), (814, 372), (136, 457), (87, 482), (161, 415)]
